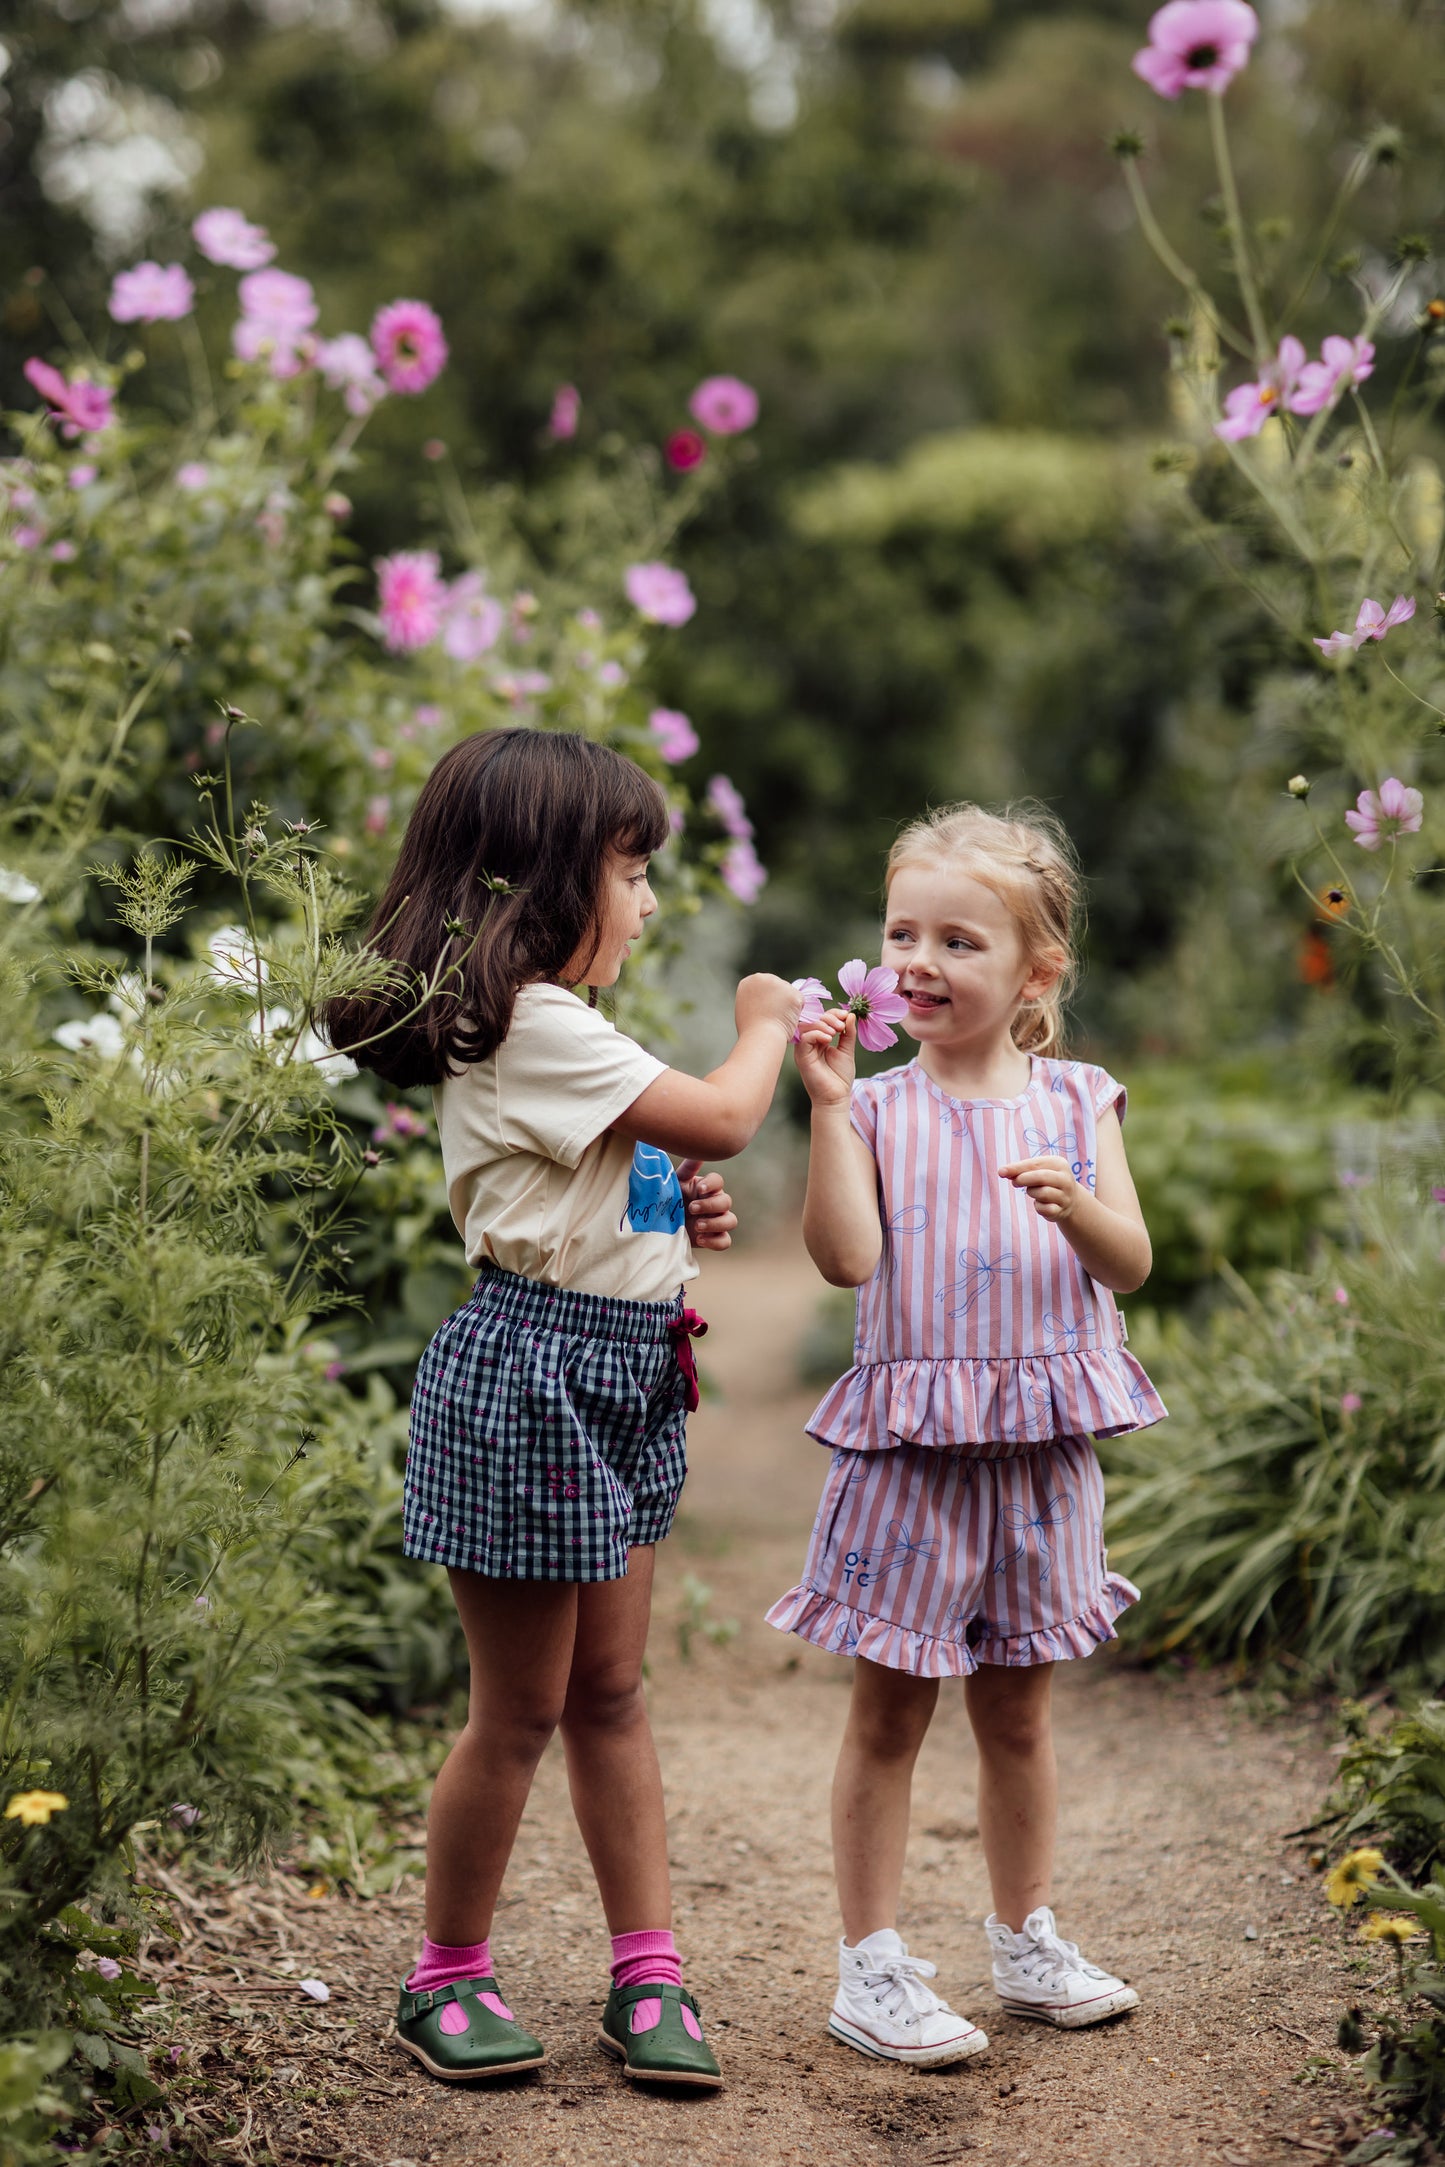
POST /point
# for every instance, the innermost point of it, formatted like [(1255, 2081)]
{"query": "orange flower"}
[(1315, 964), (1332, 903)]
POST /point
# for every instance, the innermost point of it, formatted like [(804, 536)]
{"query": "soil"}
[(1176, 1868)]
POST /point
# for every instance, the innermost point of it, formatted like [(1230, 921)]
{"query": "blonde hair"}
[(1025, 856)]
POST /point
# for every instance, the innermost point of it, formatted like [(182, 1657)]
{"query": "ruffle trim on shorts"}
[(841, 1630), (1017, 1400)]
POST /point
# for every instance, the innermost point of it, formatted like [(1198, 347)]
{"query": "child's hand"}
[(826, 1068), (1048, 1183), (710, 1214), (765, 999)]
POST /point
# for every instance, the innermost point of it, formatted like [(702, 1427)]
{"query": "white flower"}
[(234, 960), (127, 997), (15, 888), (308, 1046), (100, 1034)]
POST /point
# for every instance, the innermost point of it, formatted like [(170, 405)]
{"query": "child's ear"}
[(1045, 971)]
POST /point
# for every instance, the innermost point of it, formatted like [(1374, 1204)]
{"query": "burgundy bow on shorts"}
[(684, 1330)]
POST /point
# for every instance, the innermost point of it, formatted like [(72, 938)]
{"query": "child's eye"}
[(898, 933)]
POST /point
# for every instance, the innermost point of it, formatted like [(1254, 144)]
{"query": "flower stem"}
[(1175, 265), (1243, 269)]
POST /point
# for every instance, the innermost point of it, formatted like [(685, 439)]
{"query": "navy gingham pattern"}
[(547, 1433)]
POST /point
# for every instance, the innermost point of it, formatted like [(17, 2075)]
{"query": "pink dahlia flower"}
[(685, 450), (472, 619), (277, 313), (81, 408), (659, 594), (1345, 363), (1249, 406), (1378, 818), (873, 997), (151, 293), (726, 800), (348, 365), (1372, 623), (411, 599), (1196, 45), (676, 737), (409, 344), (566, 407), (725, 405), (743, 874), (816, 998), (227, 237)]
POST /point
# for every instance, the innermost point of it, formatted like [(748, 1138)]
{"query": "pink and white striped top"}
[(980, 1327)]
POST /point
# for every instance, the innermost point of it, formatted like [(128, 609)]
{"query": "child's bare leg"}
[(611, 1760), (888, 1720), (1018, 1784), (519, 1639)]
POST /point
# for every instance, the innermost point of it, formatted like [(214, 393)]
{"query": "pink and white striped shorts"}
[(934, 1561)]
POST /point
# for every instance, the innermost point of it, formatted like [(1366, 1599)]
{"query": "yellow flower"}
[(1349, 1880), (34, 1808), (1390, 1926)]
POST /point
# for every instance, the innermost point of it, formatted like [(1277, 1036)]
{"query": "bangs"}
[(643, 822)]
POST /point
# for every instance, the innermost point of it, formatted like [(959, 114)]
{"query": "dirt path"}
[(1173, 1867)]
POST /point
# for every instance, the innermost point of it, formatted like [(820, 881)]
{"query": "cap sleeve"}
[(1107, 1091), (564, 1074), (864, 1111)]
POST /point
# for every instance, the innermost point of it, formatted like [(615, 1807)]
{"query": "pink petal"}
[(1392, 797), (1370, 623), (1401, 610), (1338, 643), (1162, 71), (874, 1036), (853, 977)]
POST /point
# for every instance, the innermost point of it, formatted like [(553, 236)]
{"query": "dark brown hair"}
[(536, 810)]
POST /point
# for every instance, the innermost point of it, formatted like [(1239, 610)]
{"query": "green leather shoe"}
[(491, 2046), (668, 2054)]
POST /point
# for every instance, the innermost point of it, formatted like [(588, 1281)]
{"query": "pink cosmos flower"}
[(398, 1124), (676, 737), (193, 475), (566, 407), (63, 552), (28, 537), (81, 408), (411, 599), (81, 477), (277, 313), (185, 1816), (348, 365), (743, 874), (107, 1967), (1196, 45), (151, 293), (378, 812), (1345, 362), (228, 237), (472, 619), (409, 344), (1350, 1403), (1380, 817), (1342, 1296), (659, 594), (1371, 623), (1249, 406), (816, 998), (427, 716), (726, 801), (873, 997), (1437, 1194), (725, 405), (685, 450), (611, 676), (383, 758)]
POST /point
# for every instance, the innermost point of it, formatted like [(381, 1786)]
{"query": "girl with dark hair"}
[(547, 1433)]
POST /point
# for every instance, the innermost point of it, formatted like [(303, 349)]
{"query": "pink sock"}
[(642, 1960), (441, 1964)]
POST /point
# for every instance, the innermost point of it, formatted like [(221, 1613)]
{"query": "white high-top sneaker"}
[(884, 2008), (1038, 1974)]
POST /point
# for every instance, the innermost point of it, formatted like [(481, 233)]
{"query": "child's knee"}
[(607, 1699), (891, 1713)]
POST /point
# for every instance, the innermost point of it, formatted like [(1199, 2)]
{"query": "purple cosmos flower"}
[(566, 406), (1350, 1403), (743, 873), (1437, 1194), (277, 313), (151, 293), (81, 477), (659, 594), (107, 1967), (1249, 406), (873, 997), (193, 475), (1371, 623), (398, 1125), (726, 800), (411, 600), (348, 365), (1379, 818), (724, 404), (472, 619), (1196, 45), (28, 537), (409, 344), (228, 237), (676, 737), (81, 408), (816, 998), (1345, 362)]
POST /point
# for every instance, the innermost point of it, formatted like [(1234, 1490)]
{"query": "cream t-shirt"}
[(537, 1182)]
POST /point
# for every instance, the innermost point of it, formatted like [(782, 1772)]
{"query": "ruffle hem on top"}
[(1001, 1404), (834, 1626)]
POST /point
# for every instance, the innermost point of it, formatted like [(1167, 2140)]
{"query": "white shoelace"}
[(898, 1988), (1051, 1959)]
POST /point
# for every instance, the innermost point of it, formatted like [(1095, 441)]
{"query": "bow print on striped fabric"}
[(984, 1274), (1055, 1513)]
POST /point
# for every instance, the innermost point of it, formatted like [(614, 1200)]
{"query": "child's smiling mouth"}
[(924, 1004)]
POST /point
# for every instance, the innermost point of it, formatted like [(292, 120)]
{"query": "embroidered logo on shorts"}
[(654, 1196)]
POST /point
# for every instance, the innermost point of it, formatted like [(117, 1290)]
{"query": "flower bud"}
[(1127, 143), (1298, 786), (180, 637), (1385, 146), (335, 505)]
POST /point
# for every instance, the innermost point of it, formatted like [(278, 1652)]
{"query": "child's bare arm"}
[(1104, 1226), (718, 1115), (841, 1223)]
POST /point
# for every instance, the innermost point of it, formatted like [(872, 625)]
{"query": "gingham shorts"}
[(929, 1560), (547, 1433)]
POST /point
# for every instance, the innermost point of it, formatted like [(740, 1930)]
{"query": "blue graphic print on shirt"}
[(654, 1195)]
